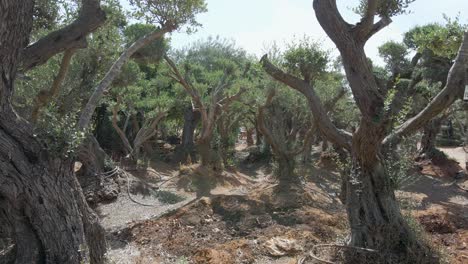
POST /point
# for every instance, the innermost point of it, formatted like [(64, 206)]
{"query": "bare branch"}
[(120, 132), (261, 122), (227, 101), (453, 90), (177, 76), (90, 18), (383, 22), (114, 71), (44, 96), (150, 131), (358, 69), (337, 136), (367, 21)]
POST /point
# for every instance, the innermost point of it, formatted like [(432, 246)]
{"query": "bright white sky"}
[(253, 24)]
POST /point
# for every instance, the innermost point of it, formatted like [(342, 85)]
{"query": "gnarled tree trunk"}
[(39, 194), (44, 201), (376, 220)]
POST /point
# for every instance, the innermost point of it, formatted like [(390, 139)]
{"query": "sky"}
[(256, 24)]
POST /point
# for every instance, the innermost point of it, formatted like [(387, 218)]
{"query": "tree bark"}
[(39, 194), (73, 36), (187, 146), (92, 158), (44, 97), (249, 135), (53, 223), (375, 218), (428, 140)]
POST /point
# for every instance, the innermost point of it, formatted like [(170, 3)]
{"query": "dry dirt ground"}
[(250, 224)]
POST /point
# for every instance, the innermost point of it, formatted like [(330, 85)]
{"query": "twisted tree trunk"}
[(39, 194), (43, 199)]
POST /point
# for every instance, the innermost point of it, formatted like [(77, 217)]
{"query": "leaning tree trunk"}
[(431, 129), (44, 201)]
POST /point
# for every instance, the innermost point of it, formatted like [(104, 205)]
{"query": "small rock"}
[(279, 246)]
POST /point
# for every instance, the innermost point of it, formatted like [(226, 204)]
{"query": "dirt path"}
[(440, 204), (236, 224)]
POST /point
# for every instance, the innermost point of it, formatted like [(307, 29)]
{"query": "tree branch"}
[(383, 22), (358, 69), (227, 101), (44, 96), (120, 132), (114, 71), (453, 90), (307, 140), (367, 21), (73, 36), (177, 76), (337, 136), (261, 123)]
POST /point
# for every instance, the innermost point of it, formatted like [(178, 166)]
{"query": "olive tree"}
[(212, 77), (373, 212), (42, 204)]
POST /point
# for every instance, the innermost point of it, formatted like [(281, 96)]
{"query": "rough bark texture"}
[(73, 36), (39, 194), (92, 158), (286, 176), (374, 216)]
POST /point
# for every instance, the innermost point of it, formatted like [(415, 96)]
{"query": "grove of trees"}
[(92, 83)]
